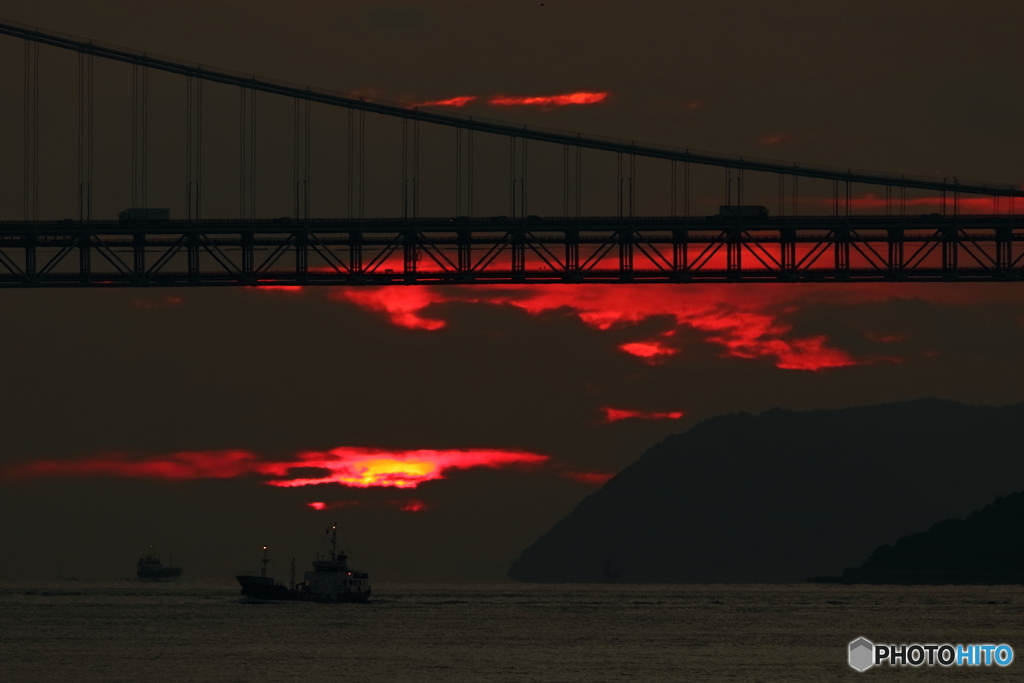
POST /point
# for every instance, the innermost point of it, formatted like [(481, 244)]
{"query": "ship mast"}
[(263, 569), (334, 542)]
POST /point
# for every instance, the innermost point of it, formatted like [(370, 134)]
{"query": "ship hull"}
[(164, 574), (263, 589)]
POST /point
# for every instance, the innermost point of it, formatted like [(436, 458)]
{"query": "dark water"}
[(199, 631)]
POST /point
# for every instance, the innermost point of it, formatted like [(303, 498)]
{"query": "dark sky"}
[(913, 87)]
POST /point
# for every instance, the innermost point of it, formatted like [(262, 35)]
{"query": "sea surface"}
[(193, 631)]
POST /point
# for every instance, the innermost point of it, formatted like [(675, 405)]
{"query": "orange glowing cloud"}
[(618, 414), (450, 102), (354, 467), (590, 478), (549, 100)]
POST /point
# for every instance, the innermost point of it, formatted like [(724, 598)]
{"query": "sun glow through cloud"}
[(365, 467), (353, 467)]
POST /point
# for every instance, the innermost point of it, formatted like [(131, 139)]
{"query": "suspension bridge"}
[(755, 225)]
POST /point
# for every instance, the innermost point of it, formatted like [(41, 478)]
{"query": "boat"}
[(331, 580), (150, 568)]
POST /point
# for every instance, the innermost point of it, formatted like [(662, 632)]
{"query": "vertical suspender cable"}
[(672, 189), (188, 147), (295, 157), (27, 132), (309, 158), (633, 175), (241, 153), (89, 137), (512, 177), (362, 163), (35, 131), (565, 181), (579, 181), (458, 170), (416, 168), (252, 154), (525, 204), (145, 137), (135, 135), (618, 160), (469, 174), (686, 189), (351, 162), (81, 136), (405, 169), (199, 148)]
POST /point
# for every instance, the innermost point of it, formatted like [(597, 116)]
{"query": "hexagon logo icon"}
[(862, 654)]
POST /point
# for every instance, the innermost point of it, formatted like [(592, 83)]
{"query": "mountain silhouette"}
[(985, 548), (783, 495)]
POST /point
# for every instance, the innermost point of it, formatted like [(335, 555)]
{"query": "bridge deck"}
[(502, 251)]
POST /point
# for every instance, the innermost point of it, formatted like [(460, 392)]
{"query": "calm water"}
[(199, 631)]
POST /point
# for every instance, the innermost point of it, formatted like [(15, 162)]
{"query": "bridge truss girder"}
[(497, 251)]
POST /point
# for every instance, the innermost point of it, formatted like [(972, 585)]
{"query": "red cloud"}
[(617, 414), (365, 467), (402, 305), (590, 478), (319, 505), (410, 505), (293, 289), (885, 338), (356, 467), (774, 139), (653, 352), (461, 101), (914, 205), (175, 467), (746, 322), (549, 100)]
